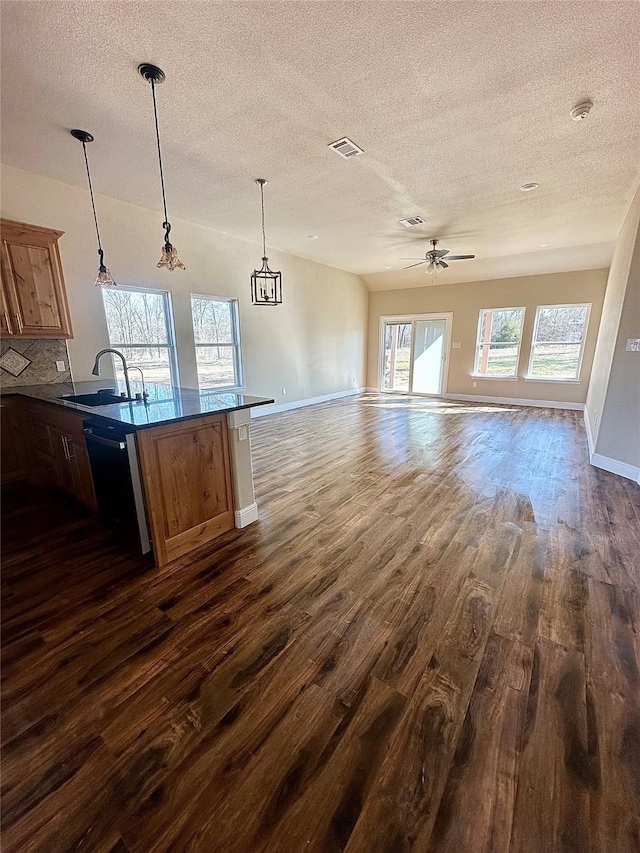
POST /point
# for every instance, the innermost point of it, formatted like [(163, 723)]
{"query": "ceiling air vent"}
[(346, 148), (412, 221)]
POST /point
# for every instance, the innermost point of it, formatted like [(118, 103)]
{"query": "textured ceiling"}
[(454, 103)]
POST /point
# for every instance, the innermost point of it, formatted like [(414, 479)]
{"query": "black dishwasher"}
[(116, 478)]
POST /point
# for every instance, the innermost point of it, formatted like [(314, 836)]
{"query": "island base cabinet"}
[(186, 474)]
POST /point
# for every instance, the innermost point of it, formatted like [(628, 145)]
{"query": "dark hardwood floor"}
[(429, 642)]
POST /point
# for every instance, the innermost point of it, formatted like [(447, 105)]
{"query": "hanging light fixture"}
[(266, 285), (104, 278), (169, 258)]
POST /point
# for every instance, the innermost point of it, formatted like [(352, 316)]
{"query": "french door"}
[(414, 354)]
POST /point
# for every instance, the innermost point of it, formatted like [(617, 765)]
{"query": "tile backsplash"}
[(43, 356)]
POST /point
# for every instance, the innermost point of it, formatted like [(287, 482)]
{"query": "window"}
[(140, 326), (499, 336), (558, 341), (217, 335)]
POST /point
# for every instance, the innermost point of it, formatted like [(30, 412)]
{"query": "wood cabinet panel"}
[(35, 301), (187, 479), (13, 461), (60, 451)]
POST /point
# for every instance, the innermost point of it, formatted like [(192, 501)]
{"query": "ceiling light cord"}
[(264, 235), (93, 205), (166, 225)]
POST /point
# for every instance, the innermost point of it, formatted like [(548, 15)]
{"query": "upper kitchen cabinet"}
[(34, 299)]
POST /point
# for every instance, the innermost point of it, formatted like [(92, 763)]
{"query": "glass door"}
[(428, 356), (397, 357), (414, 356)]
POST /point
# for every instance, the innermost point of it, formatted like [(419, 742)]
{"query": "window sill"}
[(494, 378), (552, 379)]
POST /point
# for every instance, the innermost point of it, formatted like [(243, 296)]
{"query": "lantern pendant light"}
[(169, 258), (104, 278), (266, 285)]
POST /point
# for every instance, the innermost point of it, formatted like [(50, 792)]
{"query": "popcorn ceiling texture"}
[(455, 105), (43, 355)]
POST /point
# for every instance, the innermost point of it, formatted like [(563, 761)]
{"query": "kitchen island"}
[(188, 453)]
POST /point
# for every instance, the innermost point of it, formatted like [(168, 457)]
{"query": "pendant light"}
[(169, 258), (104, 278), (266, 285)]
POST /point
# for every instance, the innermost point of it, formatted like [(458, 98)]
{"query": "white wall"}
[(313, 344), (466, 299), (613, 401)]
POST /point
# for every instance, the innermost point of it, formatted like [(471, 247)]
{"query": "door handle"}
[(7, 323), (69, 453), (64, 447), (107, 442), (19, 322)]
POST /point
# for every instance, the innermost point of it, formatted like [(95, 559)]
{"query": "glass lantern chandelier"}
[(169, 258), (104, 278), (266, 284)]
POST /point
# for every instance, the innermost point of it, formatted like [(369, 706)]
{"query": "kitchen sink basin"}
[(101, 398)]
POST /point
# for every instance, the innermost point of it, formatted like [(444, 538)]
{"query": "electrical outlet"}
[(243, 433), (633, 345), (475, 384), (455, 345), (60, 366)]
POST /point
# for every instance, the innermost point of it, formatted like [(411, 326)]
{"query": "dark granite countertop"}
[(166, 404)]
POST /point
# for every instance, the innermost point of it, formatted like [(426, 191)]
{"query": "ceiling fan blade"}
[(412, 265), (443, 265), (460, 257), (412, 259), (440, 253)]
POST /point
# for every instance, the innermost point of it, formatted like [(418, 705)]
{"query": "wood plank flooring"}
[(430, 642)]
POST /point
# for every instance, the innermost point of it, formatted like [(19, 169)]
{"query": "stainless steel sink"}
[(100, 398)]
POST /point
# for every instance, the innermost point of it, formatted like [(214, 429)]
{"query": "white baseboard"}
[(246, 515), (273, 409), (587, 426), (516, 401), (616, 467)]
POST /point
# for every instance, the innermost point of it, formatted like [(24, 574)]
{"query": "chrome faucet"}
[(145, 393), (96, 367)]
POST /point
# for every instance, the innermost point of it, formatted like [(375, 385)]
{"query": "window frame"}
[(479, 343), (171, 345), (533, 377), (237, 346)]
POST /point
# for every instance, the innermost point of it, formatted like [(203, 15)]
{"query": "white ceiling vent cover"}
[(412, 221), (346, 148)]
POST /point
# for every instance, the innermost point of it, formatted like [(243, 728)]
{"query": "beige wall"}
[(311, 345), (613, 402), (466, 300)]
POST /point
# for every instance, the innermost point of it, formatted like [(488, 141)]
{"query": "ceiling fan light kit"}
[(434, 259)]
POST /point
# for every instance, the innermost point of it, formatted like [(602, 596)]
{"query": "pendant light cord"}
[(165, 224), (93, 204), (264, 236)]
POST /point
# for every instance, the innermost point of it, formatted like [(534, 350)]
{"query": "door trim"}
[(447, 316)]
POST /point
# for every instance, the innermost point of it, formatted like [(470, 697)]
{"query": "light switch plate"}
[(242, 433), (633, 345), (60, 366)]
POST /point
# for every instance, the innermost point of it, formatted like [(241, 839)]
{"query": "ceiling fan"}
[(434, 259)]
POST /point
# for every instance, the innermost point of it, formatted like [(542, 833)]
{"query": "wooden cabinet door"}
[(62, 465), (13, 461), (82, 479), (6, 325), (36, 301), (187, 480)]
